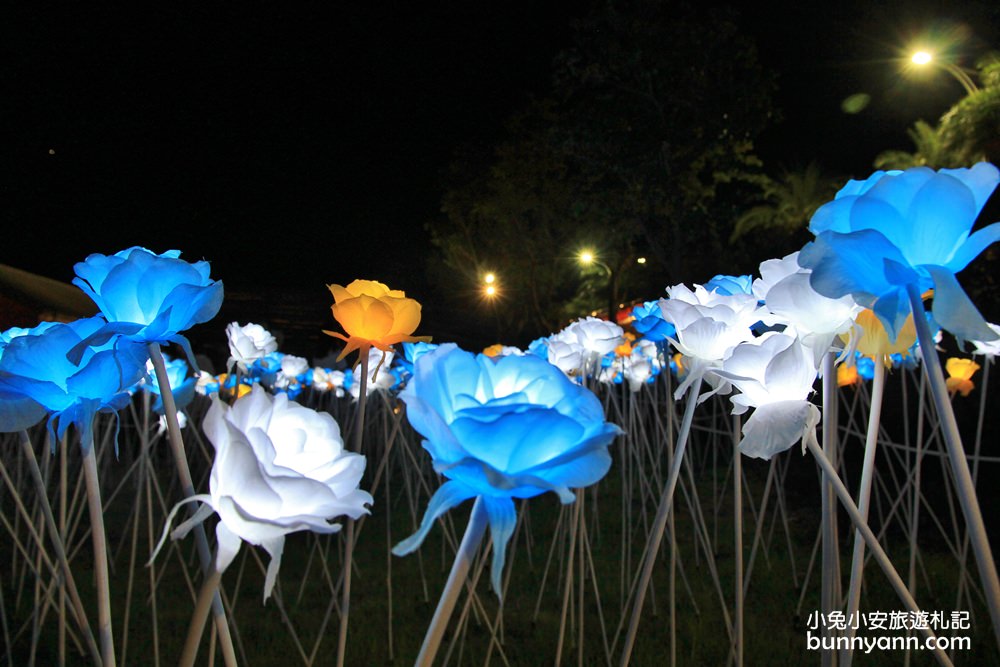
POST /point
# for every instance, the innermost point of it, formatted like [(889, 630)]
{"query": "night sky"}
[(299, 144)]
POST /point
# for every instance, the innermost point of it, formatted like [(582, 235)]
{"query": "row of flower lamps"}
[(515, 426)]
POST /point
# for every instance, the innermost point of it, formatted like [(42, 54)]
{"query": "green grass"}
[(774, 633)]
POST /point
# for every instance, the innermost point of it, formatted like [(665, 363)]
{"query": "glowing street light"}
[(489, 278), (587, 257), (922, 58), (490, 291)]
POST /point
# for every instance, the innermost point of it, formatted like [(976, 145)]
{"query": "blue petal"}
[(953, 309), (449, 495), (850, 264), (940, 215), (892, 309), (18, 412), (503, 519), (973, 246)]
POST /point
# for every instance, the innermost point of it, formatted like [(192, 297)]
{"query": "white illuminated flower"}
[(638, 371), (279, 468), (566, 354), (775, 375), (817, 320), (248, 343), (583, 343), (709, 325), (325, 379), (292, 366)]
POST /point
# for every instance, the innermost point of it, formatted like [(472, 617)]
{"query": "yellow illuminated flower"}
[(873, 340), (847, 375), (625, 349), (960, 372), (372, 315)]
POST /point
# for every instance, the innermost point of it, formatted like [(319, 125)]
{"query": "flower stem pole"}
[(345, 598), (57, 544), (98, 535), (570, 555), (659, 523), (959, 463), (864, 504), (187, 487), (878, 553), (977, 448), (449, 596), (830, 592), (209, 589), (738, 539)]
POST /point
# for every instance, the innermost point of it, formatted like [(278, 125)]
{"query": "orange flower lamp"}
[(372, 315)]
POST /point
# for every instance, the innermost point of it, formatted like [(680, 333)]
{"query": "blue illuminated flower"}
[(149, 297), (512, 428), (650, 323), (182, 384), (539, 347), (905, 228), (412, 352), (35, 367), (730, 285)]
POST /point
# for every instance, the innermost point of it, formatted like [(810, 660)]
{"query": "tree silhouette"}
[(643, 148)]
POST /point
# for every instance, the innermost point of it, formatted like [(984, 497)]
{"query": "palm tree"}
[(789, 202), (967, 133), (929, 150)]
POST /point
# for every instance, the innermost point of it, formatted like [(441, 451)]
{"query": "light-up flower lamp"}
[(887, 240), (790, 299), (905, 230), (53, 370), (279, 468), (499, 430), (247, 344), (775, 374), (372, 315), (960, 372)]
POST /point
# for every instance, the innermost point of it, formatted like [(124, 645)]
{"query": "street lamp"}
[(586, 258), (922, 58)]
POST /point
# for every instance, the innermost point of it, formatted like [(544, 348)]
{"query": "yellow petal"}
[(364, 317), (962, 369), (406, 313), (874, 340), (339, 293), (371, 288), (960, 385), (847, 375)]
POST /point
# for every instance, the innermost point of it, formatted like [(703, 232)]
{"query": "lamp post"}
[(922, 58), (587, 258)]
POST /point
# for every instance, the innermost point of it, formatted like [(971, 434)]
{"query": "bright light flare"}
[(921, 58), (586, 257), (489, 278), (490, 291)]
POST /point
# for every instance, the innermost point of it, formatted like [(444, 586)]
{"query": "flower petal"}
[(449, 495), (503, 518)]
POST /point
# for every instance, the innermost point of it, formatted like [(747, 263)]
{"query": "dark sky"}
[(296, 144)]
